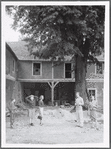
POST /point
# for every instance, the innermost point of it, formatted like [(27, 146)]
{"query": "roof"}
[(21, 51), (8, 47)]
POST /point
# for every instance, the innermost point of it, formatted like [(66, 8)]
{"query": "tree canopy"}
[(57, 31), (53, 32)]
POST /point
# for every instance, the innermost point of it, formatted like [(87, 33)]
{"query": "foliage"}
[(58, 31)]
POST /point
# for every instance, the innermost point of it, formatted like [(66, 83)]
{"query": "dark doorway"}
[(64, 92)]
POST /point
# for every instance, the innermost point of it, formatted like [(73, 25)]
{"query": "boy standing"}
[(41, 105), (79, 109)]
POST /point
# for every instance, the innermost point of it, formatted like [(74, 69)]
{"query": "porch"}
[(55, 92)]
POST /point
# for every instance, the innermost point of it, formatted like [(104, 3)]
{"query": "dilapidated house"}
[(26, 75)]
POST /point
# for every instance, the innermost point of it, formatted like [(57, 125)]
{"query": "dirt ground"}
[(58, 127)]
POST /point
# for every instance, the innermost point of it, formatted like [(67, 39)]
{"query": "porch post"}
[(52, 95), (52, 85)]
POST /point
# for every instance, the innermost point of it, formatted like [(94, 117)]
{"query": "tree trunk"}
[(80, 76)]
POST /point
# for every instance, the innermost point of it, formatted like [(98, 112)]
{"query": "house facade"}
[(11, 73), (43, 77)]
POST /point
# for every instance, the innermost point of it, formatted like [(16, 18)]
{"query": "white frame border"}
[(106, 86)]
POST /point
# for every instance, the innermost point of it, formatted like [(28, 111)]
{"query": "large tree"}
[(55, 32)]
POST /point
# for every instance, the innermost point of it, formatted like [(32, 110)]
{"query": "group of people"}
[(92, 108), (32, 106), (32, 100)]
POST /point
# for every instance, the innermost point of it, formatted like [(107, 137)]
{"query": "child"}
[(12, 109), (32, 104), (79, 109), (41, 105)]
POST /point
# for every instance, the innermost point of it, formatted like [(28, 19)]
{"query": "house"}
[(11, 73), (42, 77)]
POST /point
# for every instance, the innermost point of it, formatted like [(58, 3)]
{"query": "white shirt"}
[(79, 102)]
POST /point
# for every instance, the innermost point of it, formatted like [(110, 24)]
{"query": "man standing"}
[(12, 109), (79, 109), (32, 104)]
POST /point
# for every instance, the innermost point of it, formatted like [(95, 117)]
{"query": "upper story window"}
[(68, 70), (100, 68), (36, 68), (13, 65)]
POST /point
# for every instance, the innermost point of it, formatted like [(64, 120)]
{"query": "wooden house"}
[(42, 77)]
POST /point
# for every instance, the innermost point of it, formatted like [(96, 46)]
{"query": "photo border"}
[(106, 77)]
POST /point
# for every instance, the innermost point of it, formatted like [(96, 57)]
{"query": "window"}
[(100, 68), (36, 68), (13, 65), (92, 92), (68, 70)]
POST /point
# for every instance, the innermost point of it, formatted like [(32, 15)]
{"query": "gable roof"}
[(8, 48), (21, 51)]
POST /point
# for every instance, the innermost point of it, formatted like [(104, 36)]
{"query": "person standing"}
[(41, 108), (31, 100), (93, 107), (12, 109), (79, 109)]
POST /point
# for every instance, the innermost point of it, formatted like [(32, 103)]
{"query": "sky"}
[(9, 33)]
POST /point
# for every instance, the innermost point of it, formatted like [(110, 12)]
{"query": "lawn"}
[(58, 127)]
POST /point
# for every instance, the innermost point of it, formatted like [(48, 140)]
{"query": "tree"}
[(54, 32)]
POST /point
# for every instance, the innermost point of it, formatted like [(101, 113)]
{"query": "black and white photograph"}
[(55, 74)]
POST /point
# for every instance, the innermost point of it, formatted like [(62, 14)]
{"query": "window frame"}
[(95, 91), (40, 68), (102, 68), (65, 71)]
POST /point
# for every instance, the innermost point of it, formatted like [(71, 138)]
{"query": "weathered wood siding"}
[(47, 70), (9, 91), (25, 70), (59, 71), (9, 64), (11, 76)]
